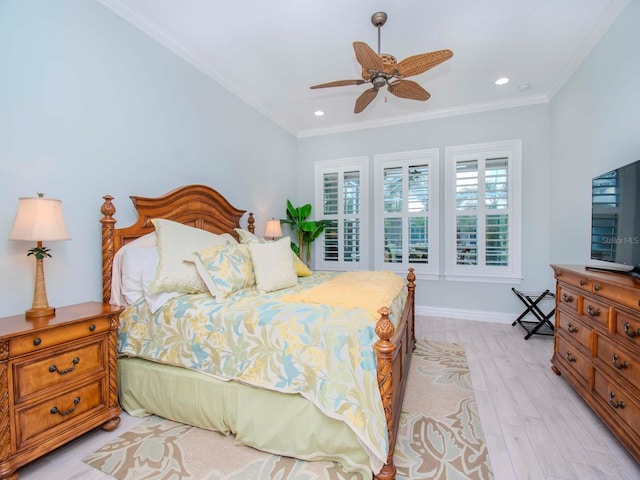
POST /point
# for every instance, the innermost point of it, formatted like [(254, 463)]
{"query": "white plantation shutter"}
[(482, 211), (341, 186), (406, 212)]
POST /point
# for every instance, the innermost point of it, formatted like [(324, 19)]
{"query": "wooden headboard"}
[(194, 205)]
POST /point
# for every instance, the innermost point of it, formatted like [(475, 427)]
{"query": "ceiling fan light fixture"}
[(382, 70), (379, 82)]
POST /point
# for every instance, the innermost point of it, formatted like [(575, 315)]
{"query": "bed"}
[(261, 417)]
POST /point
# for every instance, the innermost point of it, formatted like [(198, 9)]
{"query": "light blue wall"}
[(531, 124), (91, 106), (595, 122)]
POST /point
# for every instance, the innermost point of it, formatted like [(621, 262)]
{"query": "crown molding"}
[(442, 113)]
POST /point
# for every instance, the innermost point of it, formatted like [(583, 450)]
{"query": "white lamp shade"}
[(273, 229), (39, 219)]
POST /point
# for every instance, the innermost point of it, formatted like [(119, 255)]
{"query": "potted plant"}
[(306, 230)]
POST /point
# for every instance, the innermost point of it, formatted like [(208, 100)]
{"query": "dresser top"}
[(19, 324), (618, 279)]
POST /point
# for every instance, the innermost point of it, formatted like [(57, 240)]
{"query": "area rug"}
[(440, 437)]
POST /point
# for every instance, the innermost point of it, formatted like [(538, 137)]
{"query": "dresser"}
[(597, 345), (57, 380)]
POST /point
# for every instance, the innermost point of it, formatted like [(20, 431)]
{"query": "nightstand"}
[(58, 380)]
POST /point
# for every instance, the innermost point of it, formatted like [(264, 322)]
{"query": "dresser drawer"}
[(619, 403), (48, 338), (568, 298), (576, 279), (44, 416), (595, 310), (622, 362), (620, 295), (574, 328), (628, 329), (573, 357), (35, 374)]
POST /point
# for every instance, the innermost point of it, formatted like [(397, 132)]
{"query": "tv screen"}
[(615, 216)]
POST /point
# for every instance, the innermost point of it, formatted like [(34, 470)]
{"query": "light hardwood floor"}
[(536, 426)]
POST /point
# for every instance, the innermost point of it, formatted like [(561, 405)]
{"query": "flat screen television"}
[(615, 219)]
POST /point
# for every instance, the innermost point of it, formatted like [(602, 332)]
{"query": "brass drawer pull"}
[(619, 366), (629, 332), (55, 410), (567, 298), (53, 368), (593, 312), (571, 328), (571, 358), (614, 404)]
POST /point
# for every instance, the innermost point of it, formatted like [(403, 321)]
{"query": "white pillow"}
[(133, 262), (246, 236), (149, 266), (117, 297), (175, 243), (273, 265)]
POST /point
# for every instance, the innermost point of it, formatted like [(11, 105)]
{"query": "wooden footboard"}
[(393, 351), (202, 207)]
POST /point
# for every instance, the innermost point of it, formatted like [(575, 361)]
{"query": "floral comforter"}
[(322, 352)]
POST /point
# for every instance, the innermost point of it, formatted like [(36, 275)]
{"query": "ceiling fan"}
[(381, 69)]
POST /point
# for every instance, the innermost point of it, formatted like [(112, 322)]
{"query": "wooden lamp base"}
[(40, 307)]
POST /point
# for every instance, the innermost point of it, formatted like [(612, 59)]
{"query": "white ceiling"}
[(269, 52)]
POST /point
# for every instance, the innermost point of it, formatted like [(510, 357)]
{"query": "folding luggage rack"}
[(542, 325)]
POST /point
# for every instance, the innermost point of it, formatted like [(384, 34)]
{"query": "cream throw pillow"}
[(299, 266), (272, 265), (175, 243)]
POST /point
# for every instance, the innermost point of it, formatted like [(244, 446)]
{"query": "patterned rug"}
[(440, 437)]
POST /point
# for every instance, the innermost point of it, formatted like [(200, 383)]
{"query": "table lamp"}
[(273, 229), (39, 219)]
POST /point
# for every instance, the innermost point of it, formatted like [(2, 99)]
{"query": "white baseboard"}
[(478, 315)]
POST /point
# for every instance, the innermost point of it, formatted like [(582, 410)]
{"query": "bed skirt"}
[(274, 422)]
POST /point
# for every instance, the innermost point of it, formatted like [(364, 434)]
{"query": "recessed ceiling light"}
[(318, 113), (502, 81), (523, 87)]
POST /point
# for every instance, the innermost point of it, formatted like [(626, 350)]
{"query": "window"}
[(406, 212), (341, 193), (483, 212)]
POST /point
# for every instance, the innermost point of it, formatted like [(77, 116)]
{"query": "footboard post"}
[(384, 352), (411, 288), (108, 224)]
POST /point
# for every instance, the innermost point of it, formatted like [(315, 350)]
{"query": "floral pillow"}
[(225, 269)]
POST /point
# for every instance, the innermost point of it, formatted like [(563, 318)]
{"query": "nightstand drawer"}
[(42, 417), (47, 338), (35, 374)]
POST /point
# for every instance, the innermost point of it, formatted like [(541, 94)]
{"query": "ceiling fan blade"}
[(367, 57), (417, 64), (339, 83), (365, 99), (408, 89)]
